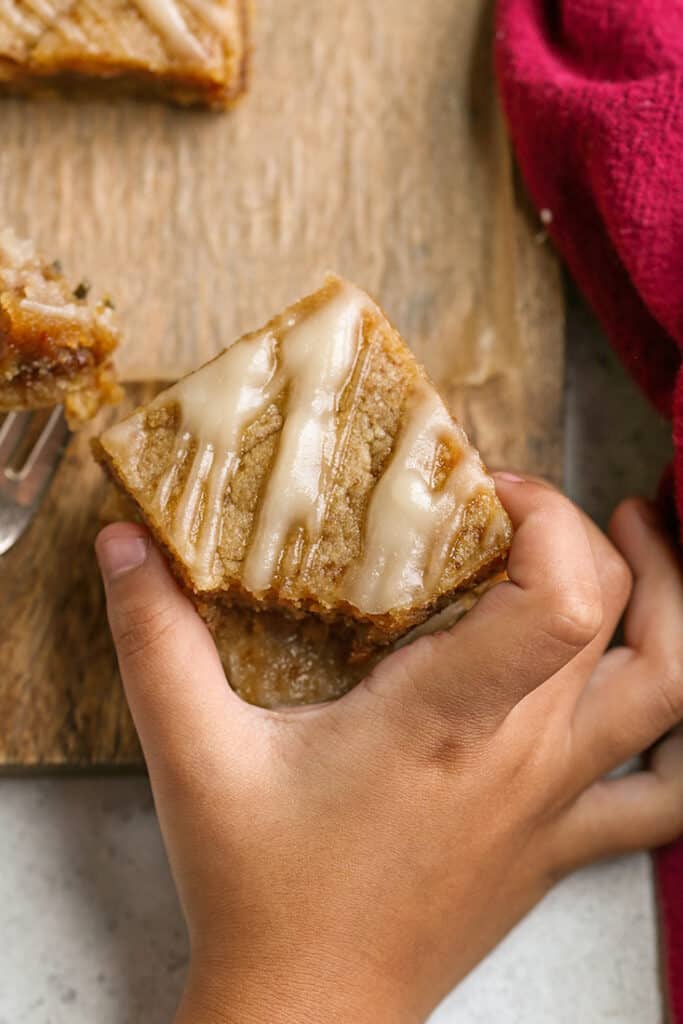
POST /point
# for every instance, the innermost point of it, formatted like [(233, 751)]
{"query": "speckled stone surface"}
[(90, 929), (615, 444)]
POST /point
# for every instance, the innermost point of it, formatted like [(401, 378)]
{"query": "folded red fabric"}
[(593, 93)]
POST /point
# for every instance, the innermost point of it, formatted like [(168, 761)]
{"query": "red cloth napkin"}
[(593, 92)]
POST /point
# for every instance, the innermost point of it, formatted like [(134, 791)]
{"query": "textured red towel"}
[(593, 92)]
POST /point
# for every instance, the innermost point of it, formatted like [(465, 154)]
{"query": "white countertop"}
[(92, 934), (90, 928)]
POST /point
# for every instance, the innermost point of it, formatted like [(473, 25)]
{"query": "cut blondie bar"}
[(188, 51), (313, 469)]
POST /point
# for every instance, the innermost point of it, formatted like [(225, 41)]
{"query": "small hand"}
[(353, 861)]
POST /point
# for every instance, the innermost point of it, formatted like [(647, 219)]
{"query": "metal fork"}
[(23, 486)]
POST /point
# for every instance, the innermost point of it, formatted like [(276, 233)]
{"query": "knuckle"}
[(141, 627), (617, 578), (574, 618)]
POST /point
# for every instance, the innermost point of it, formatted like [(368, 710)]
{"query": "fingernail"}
[(509, 478), (121, 554)]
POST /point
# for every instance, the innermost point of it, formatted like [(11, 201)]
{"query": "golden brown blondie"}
[(187, 51), (312, 469)]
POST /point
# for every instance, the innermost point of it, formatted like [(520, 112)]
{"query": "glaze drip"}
[(411, 522), (26, 26), (318, 357), (214, 413), (167, 19)]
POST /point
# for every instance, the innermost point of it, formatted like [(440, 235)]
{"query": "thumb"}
[(173, 678)]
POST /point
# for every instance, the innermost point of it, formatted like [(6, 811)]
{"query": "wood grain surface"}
[(370, 143), (61, 701)]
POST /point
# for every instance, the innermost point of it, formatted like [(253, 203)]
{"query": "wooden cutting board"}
[(370, 143)]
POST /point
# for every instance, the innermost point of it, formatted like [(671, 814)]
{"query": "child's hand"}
[(352, 861)]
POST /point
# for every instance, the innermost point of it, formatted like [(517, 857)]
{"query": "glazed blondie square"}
[(313, 469)]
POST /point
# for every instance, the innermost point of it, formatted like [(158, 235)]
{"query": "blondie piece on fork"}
[(55, 347)]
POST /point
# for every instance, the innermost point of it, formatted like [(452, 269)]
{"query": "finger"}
[(655, 617), (614, 575), (560, 695), (616, 585), (523, 630), (636, 692), (174, 682), (635, 812)]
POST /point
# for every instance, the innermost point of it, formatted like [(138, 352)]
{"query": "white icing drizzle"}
[(26, 26), (72, 32), (221, 17), (215, 413), (169, 22), (318, 356), (168, 480), (70, 311), (410, 524), (45, 10)]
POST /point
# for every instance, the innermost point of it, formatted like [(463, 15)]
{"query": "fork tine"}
[(48, 443), (22, 490), (13, 428)]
